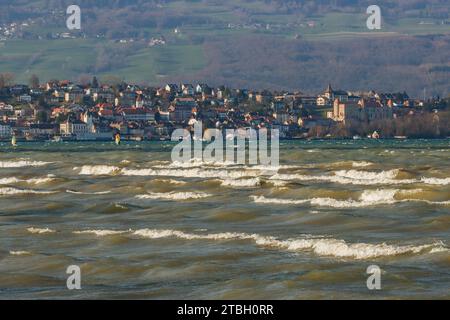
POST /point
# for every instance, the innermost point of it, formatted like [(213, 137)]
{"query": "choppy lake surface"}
[(142, 227)]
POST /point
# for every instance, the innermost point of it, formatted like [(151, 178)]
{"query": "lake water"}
[(141, 227)]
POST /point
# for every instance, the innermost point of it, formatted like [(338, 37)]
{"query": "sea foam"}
[(368, 198), (354, 177), (40, 230), (101, 233), (22, 163), (320, 246), (98, 170), (241, 183), (13, 180), (14, 191), (88, 193), (436, 181), (176, 196), (19, 253)]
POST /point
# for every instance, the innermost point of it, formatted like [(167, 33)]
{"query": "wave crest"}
[(176, 196)]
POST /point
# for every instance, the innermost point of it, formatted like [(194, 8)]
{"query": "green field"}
[(65, 58), (71, 58)]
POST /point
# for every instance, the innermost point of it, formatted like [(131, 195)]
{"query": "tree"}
[(94, 82), (157, 117), (6, 79), (34, 81), (42, 117)]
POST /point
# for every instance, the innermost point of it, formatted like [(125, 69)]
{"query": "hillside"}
[(257, 44)]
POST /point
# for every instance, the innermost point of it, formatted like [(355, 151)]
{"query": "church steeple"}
[(329, 92)]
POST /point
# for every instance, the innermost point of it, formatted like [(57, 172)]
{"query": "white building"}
[(76, 128), (5, 130)]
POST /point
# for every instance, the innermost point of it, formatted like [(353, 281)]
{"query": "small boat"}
[(117, 139), (14, 141), (56, 139), (375, 135), (357, 137)]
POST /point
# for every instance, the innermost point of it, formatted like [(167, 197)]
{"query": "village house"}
[(187, 89), (141, 114), (104, 95), (171, 88), (24, 98), (330, 95), (203, 89), (74, 128), (41, 130), (364, 110), (5, 130), (74, 96), (182, 109)]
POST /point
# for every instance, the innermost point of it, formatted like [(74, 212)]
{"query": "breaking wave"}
[(13, 180), (88, 193), (14, 191), (191, 173), (241, 183), (354, 177), (368, 198), (98, 170), (436, 181), (174, 196), (101, 233), (40, 230), (170, 181), (22, 163), (361, 164), (19, 253), (320, 246)]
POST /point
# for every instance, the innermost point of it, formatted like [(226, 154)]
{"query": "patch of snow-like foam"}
[(176, 196)]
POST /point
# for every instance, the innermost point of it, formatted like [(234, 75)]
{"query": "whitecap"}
[(241, 183), (101, 233), (435, 181), (176, 196), (22, 163), (318, 245), (12, 180), (19, 253), (88, 193), (368, 198), (40, 230), (14, 191), (98, 170)]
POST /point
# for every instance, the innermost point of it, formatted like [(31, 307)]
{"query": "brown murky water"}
[(141, 227)]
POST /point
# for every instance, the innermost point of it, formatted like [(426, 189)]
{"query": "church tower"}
[(329, 93)]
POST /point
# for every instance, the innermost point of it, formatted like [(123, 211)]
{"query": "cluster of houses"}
[(69, 111)]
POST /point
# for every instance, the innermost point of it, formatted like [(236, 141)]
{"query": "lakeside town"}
[(62, 110)]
